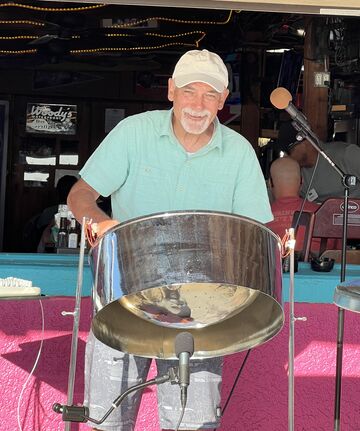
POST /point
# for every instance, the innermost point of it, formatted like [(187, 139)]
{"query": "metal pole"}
[(339, 356), (341, 318), (292, 319), (291, 245), (76, 315)]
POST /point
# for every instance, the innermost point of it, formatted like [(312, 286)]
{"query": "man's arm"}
[(82, 202)]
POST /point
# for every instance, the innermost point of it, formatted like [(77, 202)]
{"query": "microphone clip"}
[(72, 413), (173, 374)]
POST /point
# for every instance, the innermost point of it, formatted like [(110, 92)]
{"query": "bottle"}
[(62, 236), (73, 234)]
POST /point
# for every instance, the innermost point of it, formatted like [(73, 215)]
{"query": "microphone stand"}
[(184, 348), (304, 130), (72, 413)]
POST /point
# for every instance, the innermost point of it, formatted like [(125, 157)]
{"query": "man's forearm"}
[(82, 203)]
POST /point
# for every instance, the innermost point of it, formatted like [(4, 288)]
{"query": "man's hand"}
[(100, 228)]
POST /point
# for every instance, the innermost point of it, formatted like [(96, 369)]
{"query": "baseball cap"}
[(201, 66), (287, 137)]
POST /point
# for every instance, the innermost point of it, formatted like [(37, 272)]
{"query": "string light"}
[(173, 20), (136, 48), (53, 9), (171, 36), (18, 52), (119, 35), (22, 22), (17, 37), (144, 48), (166, 36), (127, 25)]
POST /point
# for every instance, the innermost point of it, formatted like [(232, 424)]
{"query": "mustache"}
[(204, 113)]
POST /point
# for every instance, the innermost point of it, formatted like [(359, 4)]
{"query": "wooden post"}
[(315, 99), (250, 94)]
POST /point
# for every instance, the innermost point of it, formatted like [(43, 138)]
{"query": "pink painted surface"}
[(259, 401)]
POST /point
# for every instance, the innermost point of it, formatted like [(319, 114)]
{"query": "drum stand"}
[(292, 320), (76, 315), (347, 182)]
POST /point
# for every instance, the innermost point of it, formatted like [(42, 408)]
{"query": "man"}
[(158, 161), (326, 182), (285, 183)]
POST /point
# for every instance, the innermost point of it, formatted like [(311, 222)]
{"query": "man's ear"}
[(223, 98), (171, 89)]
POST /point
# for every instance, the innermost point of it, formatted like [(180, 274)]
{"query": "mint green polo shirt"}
[(146, 170)]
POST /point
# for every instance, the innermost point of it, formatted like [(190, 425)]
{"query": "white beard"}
[(195, 127)]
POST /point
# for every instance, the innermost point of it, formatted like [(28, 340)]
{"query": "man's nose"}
[(198, 102)]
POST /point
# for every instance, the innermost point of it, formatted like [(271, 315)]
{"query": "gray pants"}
[(109, 372)]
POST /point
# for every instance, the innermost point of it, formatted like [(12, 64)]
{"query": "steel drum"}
[(347, 295), (215, 275)]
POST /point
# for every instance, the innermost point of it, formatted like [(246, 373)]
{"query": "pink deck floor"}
[(259, 402)]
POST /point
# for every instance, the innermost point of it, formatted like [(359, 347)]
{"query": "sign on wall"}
[(51, 118)]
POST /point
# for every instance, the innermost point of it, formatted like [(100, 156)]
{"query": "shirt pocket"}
[(149, 180), (216, 193)]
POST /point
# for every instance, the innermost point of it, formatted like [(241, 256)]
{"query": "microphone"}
[(184, 349), (281, 98)]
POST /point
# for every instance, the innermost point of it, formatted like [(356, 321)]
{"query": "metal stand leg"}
[(76, 315), (341, 316), (339, 356), (291, 344), (292, 320)]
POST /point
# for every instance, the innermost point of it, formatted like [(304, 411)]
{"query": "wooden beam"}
[(315, 99), (251, 65)]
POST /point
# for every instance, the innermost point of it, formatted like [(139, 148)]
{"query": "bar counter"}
[(259, 401), (55, 274)]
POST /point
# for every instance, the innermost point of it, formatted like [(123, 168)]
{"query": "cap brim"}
[(181, 81)]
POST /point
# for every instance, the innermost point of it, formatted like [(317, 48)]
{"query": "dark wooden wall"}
[(25, 201)]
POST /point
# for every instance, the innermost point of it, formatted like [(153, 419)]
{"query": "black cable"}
[(235, 383)]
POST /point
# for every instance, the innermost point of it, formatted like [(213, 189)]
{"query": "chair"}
[(306, 220), (329, 219)]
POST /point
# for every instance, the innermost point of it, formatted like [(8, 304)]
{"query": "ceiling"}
[(43, 33), (49, 34)]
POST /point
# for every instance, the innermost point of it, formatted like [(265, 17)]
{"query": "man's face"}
[(195, 105)]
